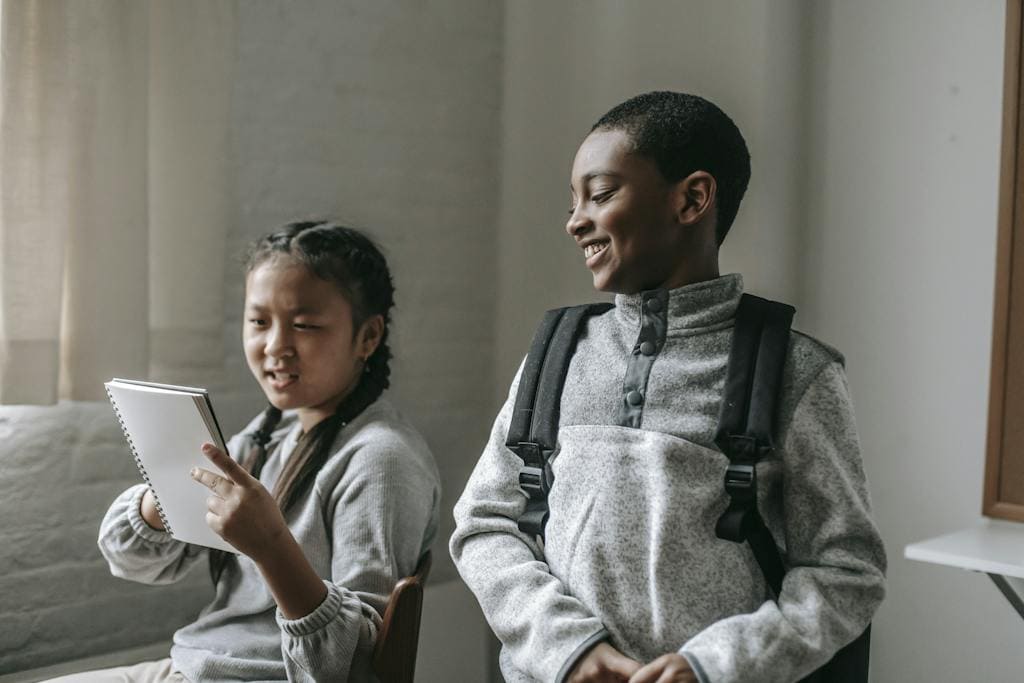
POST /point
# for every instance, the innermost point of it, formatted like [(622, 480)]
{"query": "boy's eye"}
[(258, 322), (601, 197), (306, 326), (572, 210)]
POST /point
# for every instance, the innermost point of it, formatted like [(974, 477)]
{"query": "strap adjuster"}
[(741, 481), (741, 485), (535, 476), (533, 482)]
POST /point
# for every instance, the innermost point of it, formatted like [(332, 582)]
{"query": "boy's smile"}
[(626, 218)]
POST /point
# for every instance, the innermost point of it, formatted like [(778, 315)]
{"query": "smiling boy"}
[(631, 583)]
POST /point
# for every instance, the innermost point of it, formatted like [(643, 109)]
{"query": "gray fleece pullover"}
[(371, 513), (631, 555)]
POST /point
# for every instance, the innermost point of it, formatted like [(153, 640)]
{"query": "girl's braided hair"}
[(350, 260)]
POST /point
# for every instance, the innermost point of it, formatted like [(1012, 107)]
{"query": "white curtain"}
[(113, 192)]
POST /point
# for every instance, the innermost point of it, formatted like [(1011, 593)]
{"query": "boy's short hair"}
[(684, 133)]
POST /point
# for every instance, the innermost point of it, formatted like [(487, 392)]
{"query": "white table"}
[(993, 546)]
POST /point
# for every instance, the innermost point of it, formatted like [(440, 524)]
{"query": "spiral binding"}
[(138, 462)]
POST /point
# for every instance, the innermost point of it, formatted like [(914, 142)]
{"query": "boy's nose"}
[(578, 223)]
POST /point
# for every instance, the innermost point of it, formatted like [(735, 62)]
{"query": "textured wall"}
[(384, 114)]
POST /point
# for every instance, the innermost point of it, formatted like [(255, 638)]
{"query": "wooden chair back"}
[(394, 655)]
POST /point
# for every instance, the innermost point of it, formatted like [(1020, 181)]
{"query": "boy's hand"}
[(603, 664), (670, 668), (241, 510)]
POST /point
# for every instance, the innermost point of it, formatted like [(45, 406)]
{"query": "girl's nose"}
[(279, 343)]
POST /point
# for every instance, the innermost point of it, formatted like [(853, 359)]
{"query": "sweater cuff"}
[(139, 525), (324, 614), (698, 669), (579, 652)]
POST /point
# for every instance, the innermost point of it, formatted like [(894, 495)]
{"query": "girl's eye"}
[(258, 322), (306, 326), (572, 210), (602, 197)]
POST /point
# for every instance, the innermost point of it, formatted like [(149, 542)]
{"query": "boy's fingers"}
[(649, 673), (622, 665), (231, 469)]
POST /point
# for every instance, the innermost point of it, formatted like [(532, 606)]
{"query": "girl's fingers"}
[(216, 483), (231, 469), (216, 505)]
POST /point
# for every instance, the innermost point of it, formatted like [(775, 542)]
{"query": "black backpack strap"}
[(533, 429), (746, 423), (745, 434)]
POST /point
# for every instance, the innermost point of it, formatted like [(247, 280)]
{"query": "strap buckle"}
[(741, 482), (533, 482), (741, 485), (535, 476)]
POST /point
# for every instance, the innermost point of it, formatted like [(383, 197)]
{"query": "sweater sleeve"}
[(136, 551), (385, 512), (834, 554), (544, 629)]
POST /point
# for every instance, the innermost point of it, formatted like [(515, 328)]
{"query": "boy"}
[(631, 582)]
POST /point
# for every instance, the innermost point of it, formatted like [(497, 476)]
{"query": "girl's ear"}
[(695, 197), (369, 336)]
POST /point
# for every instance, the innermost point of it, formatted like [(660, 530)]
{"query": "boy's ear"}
[(695, 197), (370, 335)]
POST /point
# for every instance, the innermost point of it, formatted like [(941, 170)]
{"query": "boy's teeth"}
[(592, 249)]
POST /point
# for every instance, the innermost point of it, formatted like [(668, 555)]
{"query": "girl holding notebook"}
[(330, 496)]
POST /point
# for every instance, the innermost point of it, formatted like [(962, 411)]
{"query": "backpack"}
[(745, 435)]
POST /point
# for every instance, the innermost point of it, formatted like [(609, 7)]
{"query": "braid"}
[(349, 258), (355, 264)]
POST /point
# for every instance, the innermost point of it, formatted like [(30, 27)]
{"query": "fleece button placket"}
[(653, 327)]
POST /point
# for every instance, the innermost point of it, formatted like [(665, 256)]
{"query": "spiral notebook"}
[(165, 426)]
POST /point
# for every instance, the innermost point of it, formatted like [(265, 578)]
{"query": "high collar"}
[(701, 304)]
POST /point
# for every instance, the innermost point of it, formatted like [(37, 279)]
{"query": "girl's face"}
[(299, 339)]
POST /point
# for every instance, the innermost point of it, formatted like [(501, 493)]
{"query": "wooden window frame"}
[(1004, 462)]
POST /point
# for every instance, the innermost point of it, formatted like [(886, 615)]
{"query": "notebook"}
[(165, 426)]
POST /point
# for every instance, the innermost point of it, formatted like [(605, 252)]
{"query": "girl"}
[(335, 496)]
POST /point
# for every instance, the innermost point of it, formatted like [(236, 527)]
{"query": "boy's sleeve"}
[(385, 511), (835, 556), (544, 629)]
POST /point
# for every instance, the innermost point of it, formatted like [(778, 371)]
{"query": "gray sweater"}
[(631, 555), (371, 513)]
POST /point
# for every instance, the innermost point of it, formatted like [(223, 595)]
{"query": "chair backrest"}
[(394, 655)]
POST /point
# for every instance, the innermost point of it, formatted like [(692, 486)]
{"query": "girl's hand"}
[(147, 508), (670, 668), (241, 510)]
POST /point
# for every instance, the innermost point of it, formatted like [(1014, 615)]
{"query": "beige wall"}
[(567, 63), (898, 271)]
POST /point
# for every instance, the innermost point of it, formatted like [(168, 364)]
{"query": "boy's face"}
[(623, 215)]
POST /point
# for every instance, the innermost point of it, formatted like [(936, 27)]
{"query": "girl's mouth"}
[(280, 380)]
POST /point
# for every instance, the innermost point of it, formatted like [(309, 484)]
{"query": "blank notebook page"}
[(166, 431)]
